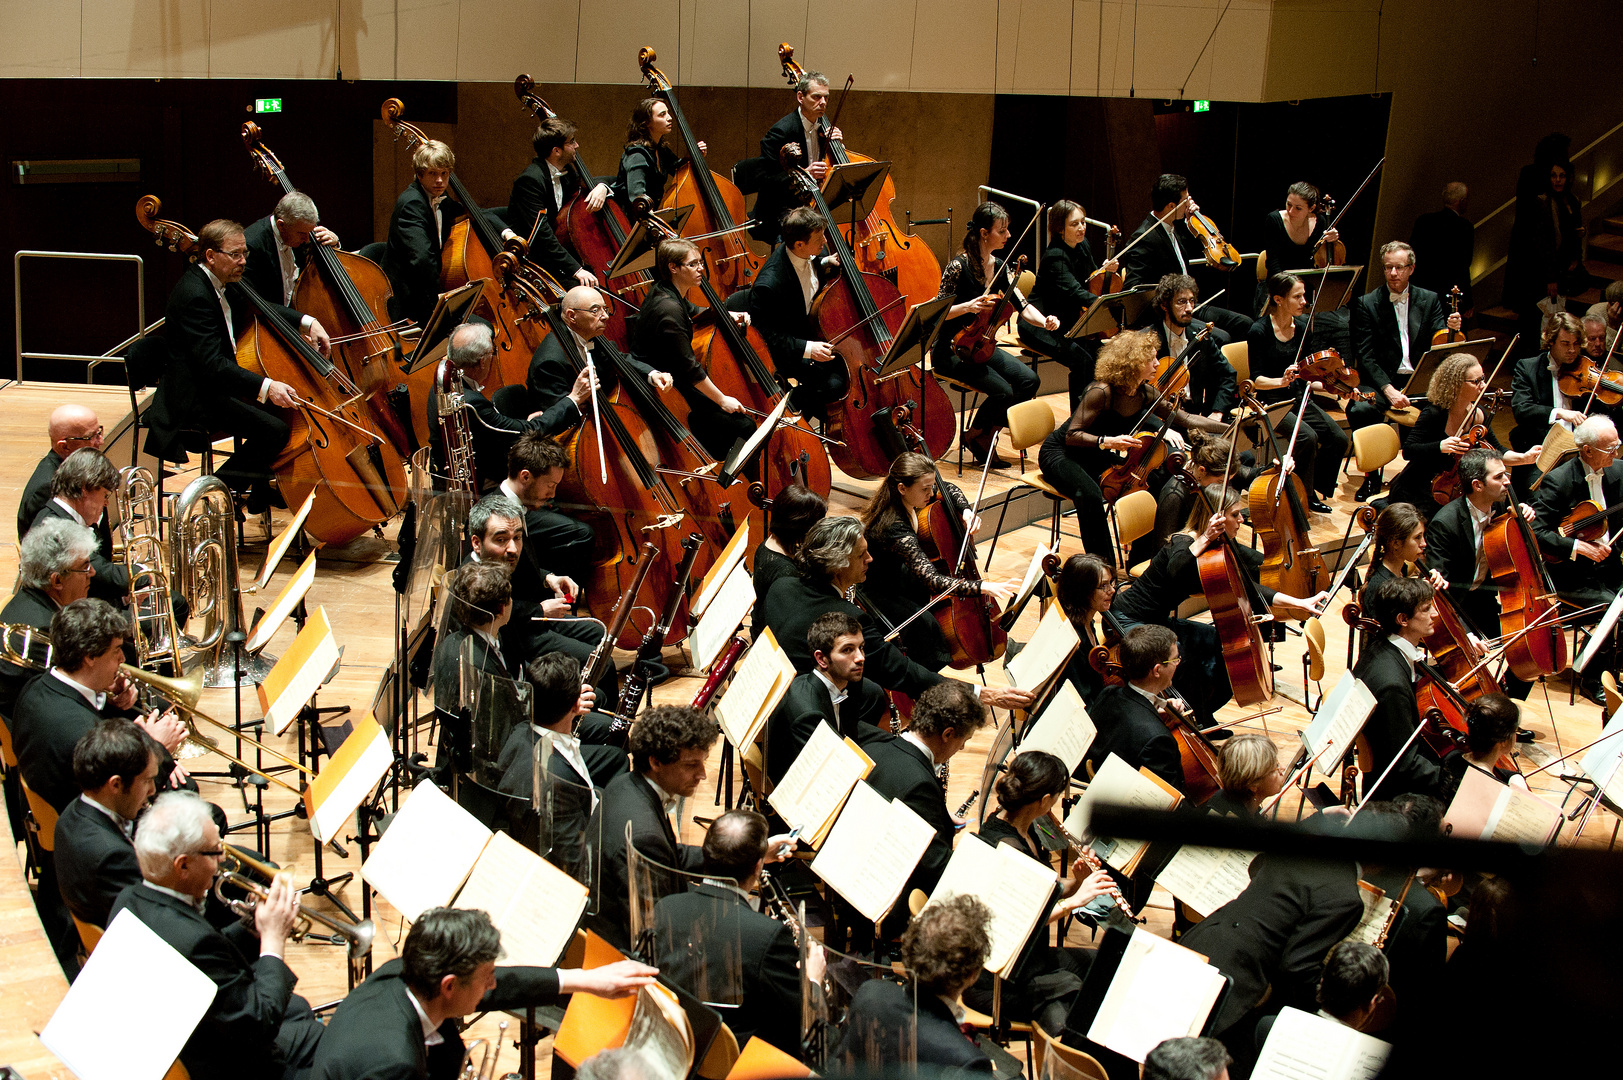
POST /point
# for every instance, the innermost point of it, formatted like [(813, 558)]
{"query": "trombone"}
[(358, 936)]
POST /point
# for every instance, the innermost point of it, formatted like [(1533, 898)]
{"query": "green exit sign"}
[(267, 104), (1200, 106)]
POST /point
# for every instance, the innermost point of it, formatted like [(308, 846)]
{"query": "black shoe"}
[(1593, 693), (1318, 506), (1524, 735), (1370, 488), (981, 447)]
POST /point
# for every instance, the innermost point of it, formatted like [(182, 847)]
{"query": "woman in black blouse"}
[(1290, 235), (646, 163), (1004, 380), (1400, 542), (1491, 723), (1100, 431), (902, 578), (1062, 291), (1086, 586), (795, 510), (1274, 345), (1437, 439), (1045, 979)]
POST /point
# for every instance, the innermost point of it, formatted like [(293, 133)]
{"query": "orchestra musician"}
[(1610, 308), (1170, 247), (834, 692), (53, 570), (1212, 460), (1400, 541), (552, 374), (662, 337), (646, 163), (1491, 723), (1289, 236), (778, 193), (1188, 1058), (1127, 718), (1404, 610), (116, 770), (405, 1021), (535, 467), (1447, 239), (1085, 587), (1062, 291), (80, 489), (780, 304), (558, 721), (1273, 345), (1213, 382), (1351, 986), (278, 246), (481, 598), (794, 510), (255, 1025), (903, 579), (1536, 396), (1249, 773), (1102, 428), (1004, 380), (541, 192), (71, 427), (203, 388), (419, 227)]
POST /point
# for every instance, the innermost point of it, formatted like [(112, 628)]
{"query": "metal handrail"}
[(1036, 208), (90, 256)]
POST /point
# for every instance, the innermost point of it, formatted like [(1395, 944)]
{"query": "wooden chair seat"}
[(44, 815)]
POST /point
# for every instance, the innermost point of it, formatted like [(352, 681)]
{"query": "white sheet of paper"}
[(1302, 1046), (726, 611), (1045, 654), (1119, 784), (1486, 809), (308, 678), (1206, 878), (758, 683), (1034, 574), (534, 904), (872, 850), (426, 853), (1377, 910), (1340, 717), (731, 556), (815, 786), (1161, 991), (106, 1028), (375, 757), (1065, 729), (1013, 886), (297, 586)]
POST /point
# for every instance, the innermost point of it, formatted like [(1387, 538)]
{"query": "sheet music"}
[(1340, 718), (300, 672), (731, 603), (1046, 653), (660, 1029), (1014, 886), (816, 785), (348, 777), (1206, 878), (534, 904), (1302, 1046), (758, 683), (297, 586), (1486, 809), (1119, 784), (734, 461), (1161, 991), (1377, 909), (426, 852), (731, 556), (1034, 574), (1065, 729), (1600, 764), (872, 850), (107, 1029)]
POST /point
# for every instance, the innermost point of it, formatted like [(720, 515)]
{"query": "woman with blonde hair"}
[(1250, 771)]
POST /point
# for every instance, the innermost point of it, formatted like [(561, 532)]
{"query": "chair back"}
[(1056, 1061), (1026, 282), (1375, 446), (916, 900), (89, 933), (723, 1054), (8, 753), (1238, 354), (373, 251), (754, 767), (1135, 516), (44, 815), (1614, 698), (177, 1071), (1313, 634), (1030, 422), (1262, 265)]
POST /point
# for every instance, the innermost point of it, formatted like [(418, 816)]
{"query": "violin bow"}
[(1348, 204), (1600, 376), (1208, 300), (1471, 412), (1161, 219), (980, 490), (1003, 268)]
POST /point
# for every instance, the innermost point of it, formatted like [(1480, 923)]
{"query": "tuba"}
[(203, 557), (156, 635)]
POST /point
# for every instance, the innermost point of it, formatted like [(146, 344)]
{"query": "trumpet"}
[(488, 1053), (357, 935)]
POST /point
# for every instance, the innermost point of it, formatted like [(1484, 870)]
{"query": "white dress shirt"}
[(1177, 249), (808, 286), (197, 904), (1400, 306), (568, 747), (439, 223), (431, 1033), (918, 742), (125, 825), (96, 700), (290, 265), (1410, 652), (557, 175), (231, 333), (836, 694), (1562, 401), (1593, 478), (1479, 528)]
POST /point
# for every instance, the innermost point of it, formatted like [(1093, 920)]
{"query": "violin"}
[(1583, 378), (1445, 336), (1338, 378), (1172, 372), (880, 245), (1132, 473), (1328, 252), (1587, 521), (1291, 562), (731, 257), (977, 341), (1529, 610), (1219, 252), (1101, 283)]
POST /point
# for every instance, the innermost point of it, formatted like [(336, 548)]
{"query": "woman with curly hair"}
[(1101, 430), (646, 163), (1437, 439)]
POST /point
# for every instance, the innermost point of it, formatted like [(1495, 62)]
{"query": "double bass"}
[(880, 246), (332, 450), (732, 257), (1291, 561), (1232, 597)]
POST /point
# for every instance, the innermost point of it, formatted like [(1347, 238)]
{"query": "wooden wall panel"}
[(498, 39), (429, 36), (366, 39), (1034, 46), (715, 43), (611, 32), (299, 46)]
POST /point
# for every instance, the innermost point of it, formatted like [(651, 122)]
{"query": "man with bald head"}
[(71, 427), (554, 369)]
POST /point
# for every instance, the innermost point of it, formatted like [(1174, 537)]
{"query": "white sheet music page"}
[(1340, 718), (872, 850), (818, 782), (1045, 654), (1014, 886), (534, 904), (1161, 991), (759, 682), (731, 604), (1065, 729), (1206, 878), (426, 853), (1302, 1046), (1118, 784)]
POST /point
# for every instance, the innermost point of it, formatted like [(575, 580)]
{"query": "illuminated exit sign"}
[(1200, 106), (267, 104)]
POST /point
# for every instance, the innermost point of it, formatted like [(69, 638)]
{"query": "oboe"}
[(1094, 864)]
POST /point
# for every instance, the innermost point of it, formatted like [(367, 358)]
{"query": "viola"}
[(469, 255), (1338, 378), (1583, 378), (1172, 372), (1447, 487), (1101, 283), (1445, 336), (1587, 521), (332, 450), (880, 245), (1219, 252), (1291, 561), (977, 341), (860, 313), (344, 292), (1529, 610), (731, 257), (1328, 252), (595, 238)]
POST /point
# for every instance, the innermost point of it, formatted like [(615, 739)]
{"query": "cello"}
[(344, 294), (859, 313), (1232, 597), (878, 243), (469, 255), (732, 257), (1529, 610), (331, 449)]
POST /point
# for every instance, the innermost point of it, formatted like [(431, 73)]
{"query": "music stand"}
[(1602, 631), (450, 311), (745, 449), (914, 340), (1112, 312), (857, 183), (1326, 298), (637, 253)]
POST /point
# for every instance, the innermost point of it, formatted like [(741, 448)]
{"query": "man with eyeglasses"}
[(203, 388), (71, 427), (553, 368), (255, 1027)]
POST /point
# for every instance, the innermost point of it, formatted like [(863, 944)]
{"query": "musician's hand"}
[(818, 170), (178, 777), (1454, 321), (1331, 236), (1215, 528), (1098, 883), (1287, 465), (983, 303), (1570, 416), (816, 963), (587, 700), (167, 729), (999, 590), (555, 608), (1526, 457), (317, 336), (1395, 397), (596, 198), (731, 404), (581, 392), (323, 235), (275, 914), (1051, 322), (281, 395), (660, 380), (586, 277), (123, 693), (972, 521), (1176, 441), (1110, 266), (1191, 205), (1120, 442), (1318, 387), (1438, 581), (779, 848), (1289, 374), (1527, 511), (1006, 697), (703, 149), (1454, 445), (563, 587), (820, 352), (835, 134), (1296, 607), (1593, 552), (619, 979), (742, 318)]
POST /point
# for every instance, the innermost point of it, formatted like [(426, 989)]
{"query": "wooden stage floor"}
[(353, 586)]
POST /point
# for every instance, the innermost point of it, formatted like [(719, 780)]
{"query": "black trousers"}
[(1064, 468), (562, 543), (261, 436), (1320, 446), (1004, 380), (1071, 352), (716, 429), (817, 384)]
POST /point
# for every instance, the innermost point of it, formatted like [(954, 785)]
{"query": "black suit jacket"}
[(1278, 932), (1451, 549), (1563, 488), (662, 335), (111, 581), (237, 1036), (1373, 327), (1062, 282), (1154, 257), (1130, 728), (778, 192), (264, 273), (27, 607), (1532, 396), (531, 204), (904, 772), (1214, 385), (376, 1033), (882, 1012), (36, 493), (777, 307), (713, 945), (47, 720), (629, 798), (552, 375), (1444, 242), (794, 603), (1385, 671), (95, 862), (807, 703), (412, 257), (494, 432)]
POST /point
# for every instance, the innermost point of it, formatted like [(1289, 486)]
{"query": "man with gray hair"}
[(255, 1026), (53, 570), (279, 247), (79, 492), (553, 370), (1610, 308), (70, 428)]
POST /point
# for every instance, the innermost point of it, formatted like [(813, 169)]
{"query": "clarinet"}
[(1093, 862), (653, 642), (773, 894)]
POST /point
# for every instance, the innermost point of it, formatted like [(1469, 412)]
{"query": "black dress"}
[(1426, 460), (644, 171), (1321, 444), (1076, 470), (1003, 379), (1283, 252), (1062, 291), (902, 580), (769, 567)]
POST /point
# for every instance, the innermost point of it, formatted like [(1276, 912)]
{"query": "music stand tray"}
[(1420, 377), (856, 182), (913, 341), (451, 310), (637, 253), (1112, 312), (1327, 297)]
